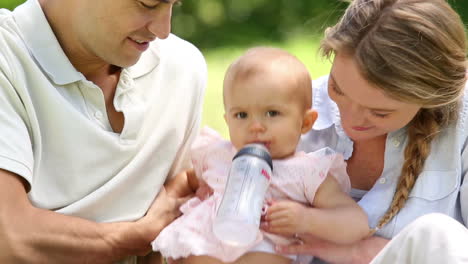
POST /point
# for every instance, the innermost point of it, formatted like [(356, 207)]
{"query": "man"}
[(99, 103)]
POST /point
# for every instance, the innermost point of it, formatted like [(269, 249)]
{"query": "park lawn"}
[(306, 49)]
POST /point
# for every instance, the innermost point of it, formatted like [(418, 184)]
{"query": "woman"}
[(394, 105)]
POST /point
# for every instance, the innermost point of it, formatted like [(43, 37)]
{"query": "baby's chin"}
[(282, 155)]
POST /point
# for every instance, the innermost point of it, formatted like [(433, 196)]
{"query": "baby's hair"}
[(271, 60), (415, 51)]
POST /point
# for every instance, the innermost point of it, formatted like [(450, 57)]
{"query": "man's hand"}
[(187, 183), (204, 190), (163, 211)]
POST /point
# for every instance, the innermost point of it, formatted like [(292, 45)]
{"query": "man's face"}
[(117, 32)]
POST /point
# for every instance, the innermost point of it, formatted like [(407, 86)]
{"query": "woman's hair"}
[(415, 51)]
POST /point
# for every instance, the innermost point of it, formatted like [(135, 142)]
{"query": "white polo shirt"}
[(55, 133)]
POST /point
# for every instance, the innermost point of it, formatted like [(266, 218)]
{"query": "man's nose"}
[(160, 24)]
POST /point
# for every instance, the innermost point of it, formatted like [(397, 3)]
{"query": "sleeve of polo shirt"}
[(16, 153), (200, 72)]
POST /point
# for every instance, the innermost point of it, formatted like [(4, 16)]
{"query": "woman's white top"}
[(441, 187)]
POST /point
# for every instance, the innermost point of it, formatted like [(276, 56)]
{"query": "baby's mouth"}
[(264, 143)]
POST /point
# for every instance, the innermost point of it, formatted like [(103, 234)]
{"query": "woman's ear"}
[(309, 119)]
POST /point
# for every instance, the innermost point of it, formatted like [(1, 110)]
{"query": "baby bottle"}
[(238, 217)]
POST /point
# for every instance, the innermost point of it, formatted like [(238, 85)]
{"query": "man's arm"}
[(32, 235)]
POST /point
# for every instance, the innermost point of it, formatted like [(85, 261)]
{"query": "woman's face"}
[(366, 112)]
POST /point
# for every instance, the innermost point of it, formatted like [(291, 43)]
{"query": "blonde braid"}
[(423, 129)]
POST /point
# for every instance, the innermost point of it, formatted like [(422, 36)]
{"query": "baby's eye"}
[(240, 115), (272, 113)]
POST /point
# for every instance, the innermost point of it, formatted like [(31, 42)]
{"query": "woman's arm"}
[(361, 252), (32, 235)]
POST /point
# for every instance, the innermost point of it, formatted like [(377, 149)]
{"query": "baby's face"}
[(264, 109)]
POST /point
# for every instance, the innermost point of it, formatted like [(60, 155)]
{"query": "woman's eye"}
[(272, 113), (335, 89), (379, 115), (241, 115)]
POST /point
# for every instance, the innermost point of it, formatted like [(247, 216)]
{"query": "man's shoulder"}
[(174, 48), (178, 57), (8, 26), (176, 41), (5, 14), (11, 43)]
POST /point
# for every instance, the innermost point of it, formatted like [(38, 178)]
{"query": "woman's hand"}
[(285, 218), (358, 253)]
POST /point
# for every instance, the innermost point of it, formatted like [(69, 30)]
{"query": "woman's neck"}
[(367, 162)]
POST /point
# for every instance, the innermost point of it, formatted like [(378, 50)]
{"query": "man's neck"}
[(91, 66)]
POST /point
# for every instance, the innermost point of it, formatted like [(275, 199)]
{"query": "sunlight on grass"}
[(306, 49)]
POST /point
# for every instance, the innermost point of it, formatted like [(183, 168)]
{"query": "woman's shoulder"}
[(463, 113), (322, 103)]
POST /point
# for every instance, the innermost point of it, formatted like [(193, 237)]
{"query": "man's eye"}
[(241, 115), (176, 3), (272, 113), (148, 6)]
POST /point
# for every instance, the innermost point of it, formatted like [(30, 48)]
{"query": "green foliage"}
[(10, 4), (214, 23)]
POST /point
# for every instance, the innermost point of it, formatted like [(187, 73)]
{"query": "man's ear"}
[(310, 116)]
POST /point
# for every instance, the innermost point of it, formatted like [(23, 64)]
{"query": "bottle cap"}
[(257, 150)]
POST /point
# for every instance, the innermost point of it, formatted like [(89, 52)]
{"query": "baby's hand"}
[(285, 218)]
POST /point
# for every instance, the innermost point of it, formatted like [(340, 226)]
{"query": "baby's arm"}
[(334, 216)]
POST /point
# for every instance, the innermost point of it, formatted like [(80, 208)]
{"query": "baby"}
[(267, 99)]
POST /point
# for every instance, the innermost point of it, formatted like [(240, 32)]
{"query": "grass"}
[(306, 49)]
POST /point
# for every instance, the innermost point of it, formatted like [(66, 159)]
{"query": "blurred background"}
[(223, 29)]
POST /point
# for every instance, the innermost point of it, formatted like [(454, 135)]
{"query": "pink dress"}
[(296, 178)]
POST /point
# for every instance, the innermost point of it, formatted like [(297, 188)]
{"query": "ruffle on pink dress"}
[(296, 178)]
